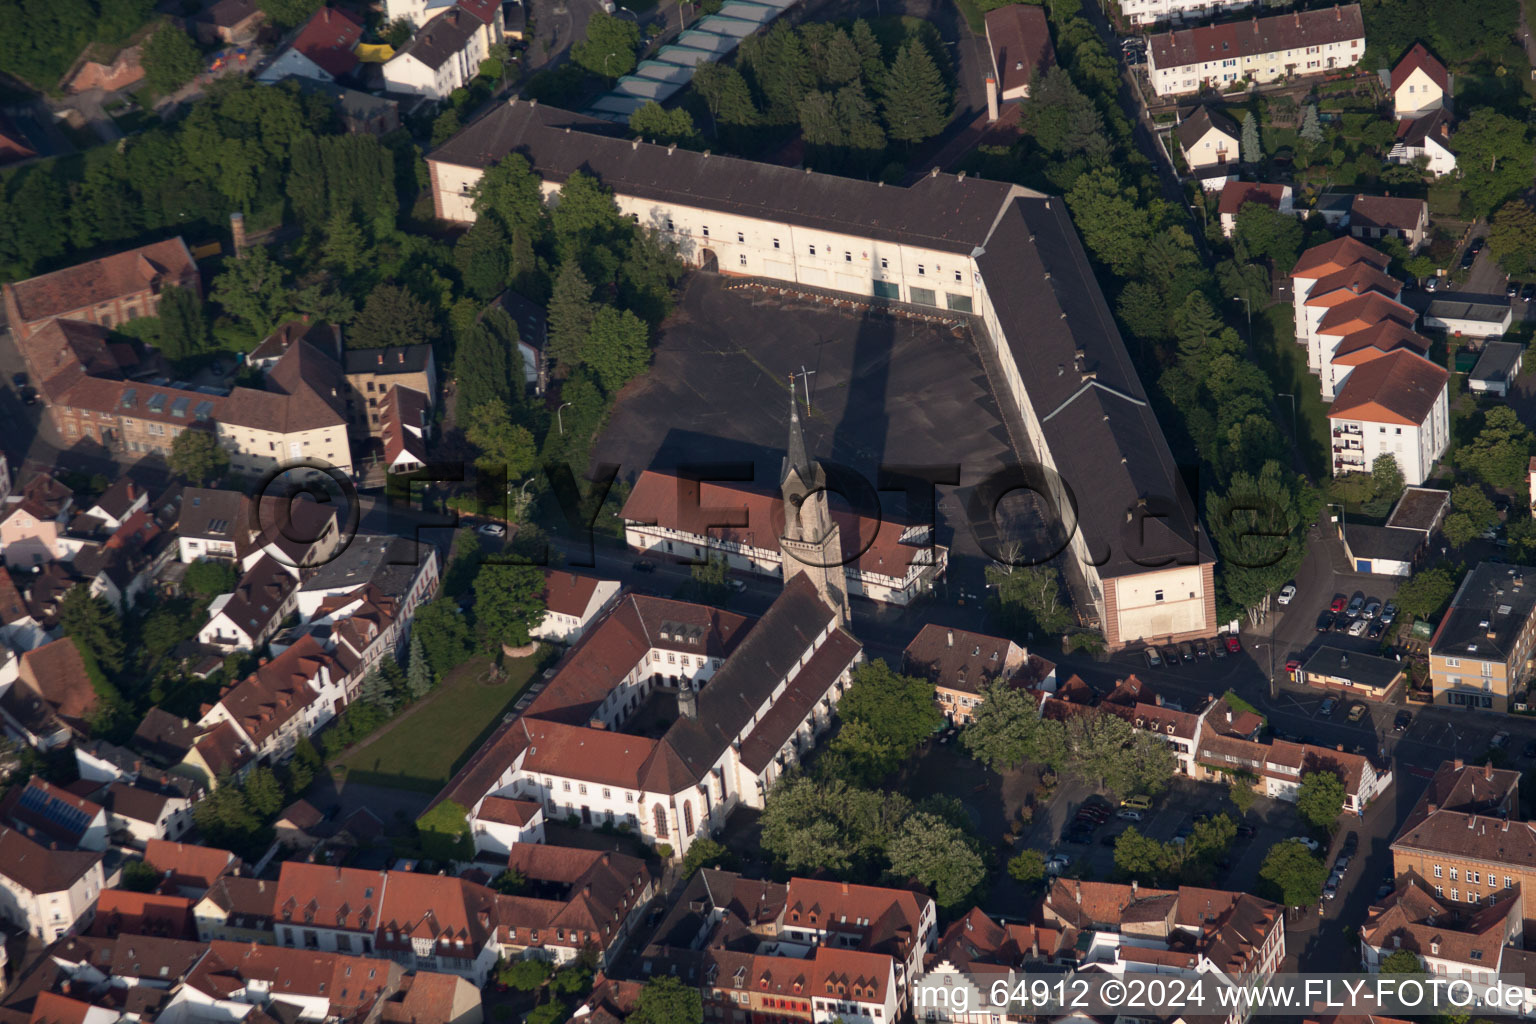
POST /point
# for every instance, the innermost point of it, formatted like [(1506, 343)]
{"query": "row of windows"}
[(1475, 877), (885, 263)]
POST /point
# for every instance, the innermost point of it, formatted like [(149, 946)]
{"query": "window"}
[(1453, 874), (1157, 595), (1455, 894), (775, 243), (1437, 871), (566, 786), (1453, 663), (922, 271), (743, 259), (1508, 882), (669, 225), (582, 789), (958, 278), (1473, 876), (705, 229), (885, 264), (741, 238), (847, 256), (813, 250), (1439, 891)]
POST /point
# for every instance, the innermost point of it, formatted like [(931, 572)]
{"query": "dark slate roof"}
[(1384, 542), (389, 563), (1499, 361), (940, 212), (401, 359), (442, 37), (1488, 613), (1193, 128), (1094, 408), (744, 683), (1361, 668)]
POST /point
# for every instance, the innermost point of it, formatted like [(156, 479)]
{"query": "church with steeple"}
[(811, 542)]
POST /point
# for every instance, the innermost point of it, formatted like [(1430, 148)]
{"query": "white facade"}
[(1262, 68), (1468, 322), (224, 633), (292, 62), (1416, 95), (1441, 160), (1215, 149), (174, 820), (406, 72), (565, 628), (50, 915), (1149, 12), (1416, 448), (254, 450)]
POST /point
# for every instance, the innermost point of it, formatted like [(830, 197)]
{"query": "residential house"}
[(358, 112), (106, 291), (405, 426), (55, 816), (18, 629), (298, 826), (1451, 939), (323, 49), (212, 524), (244, 619), (52, 699), (532, 335), (1427, 138), (35, 519), (228, 23), (1396, 405), (1278, 766), (142, 914), (446, 52), (1420, 85), (571, 603), (1148, 12), (1480, 655), (143, 811), (371, 372), (1019, 40), (1211, 144), (1237, 194), (1496, 369), (236, 909), (289, 697), (576, 900), (305, 985), (301, 415), (962, 664), (46, 892), (323, 336), (430, 998), (117, 503), (1375, 217), (188, 869), (1259, 50), (500, 823)]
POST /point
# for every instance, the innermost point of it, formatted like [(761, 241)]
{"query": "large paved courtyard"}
[(884, 389)]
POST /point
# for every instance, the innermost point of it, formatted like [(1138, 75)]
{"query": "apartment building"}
[(1259, 50), (372, 372), (1480, 655), (1150, 12), (1453, 940), (962, 664), (572, 601), (446, 52), (1396, 405), (107, 291), (46, 892)]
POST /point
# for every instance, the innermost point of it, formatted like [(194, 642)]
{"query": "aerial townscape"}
[(758, 511)]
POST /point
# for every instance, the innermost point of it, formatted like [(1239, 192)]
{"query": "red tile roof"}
[(328, 39), (1421, 59), (567, 593), (402, 424), (57, 672), (1332, 257), (39, 869), (1364, 311), (1236, 194), (503, 811), (329, 897), (1356, 279), (1401, 387), (149, 267), (120, 912), (1255, 36), (1373, 342), (1392, 212), (32, 808), (267, 698), (187, 864)]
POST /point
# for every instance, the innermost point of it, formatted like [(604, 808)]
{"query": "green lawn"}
[(1274, 339), (424, 747)]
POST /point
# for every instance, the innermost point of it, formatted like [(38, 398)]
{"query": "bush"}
[(664, 851)]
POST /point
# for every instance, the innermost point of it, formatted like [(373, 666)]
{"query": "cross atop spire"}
[(795, 458)]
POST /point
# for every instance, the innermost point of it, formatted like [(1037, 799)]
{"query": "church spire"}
[(795, 460)]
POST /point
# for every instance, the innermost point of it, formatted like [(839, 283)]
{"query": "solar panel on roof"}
[(57, 811)]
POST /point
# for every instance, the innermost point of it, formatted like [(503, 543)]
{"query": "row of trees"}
[(1007, 730)]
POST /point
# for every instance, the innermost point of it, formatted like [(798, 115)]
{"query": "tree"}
[(262, 793), (508, 602), (1115, 224), (504, 445), (914, 100), (1105, 749), (393, 316), (1251, 152), (139, 877), (443, 635), (377, 691), (1471, 514), (253, 288), (657, 124), (900, 709), (666, 1000), (209, 579), (511, 191), (510, 882), (939, 855), (483, 257), (1320, 798), (288, 13), (781, 68), (1210, 839), (170, 59), (93, 625), (726, 95), (182, 330), (1027, 867), (1426, 592), (1268, 234), (1028, 598), (488, 363), (571, 313), (1512, 236), (1387, 478), (1144, 858), (418, 677), (1240, 791), (1258, 524), (1401, 961), (1293, 875), (810, 825), (524, 975), (398, 32), (1311, 129), (610, 45), (197, 456), (705, 853), (1006, 730), (617, 348), (1500, 453), (1494, 158)]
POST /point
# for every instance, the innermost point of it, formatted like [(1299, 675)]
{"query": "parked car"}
[(1233, 646), (1384, 890), (1202, 649), (1338, 604), (1140, 802), (1476, 246), (1499, 739), (1467, 259), (1286, 593), (1358, 627), (1331, 890), (737, 585), (1511, 290), (1355, 604), (1245, 830), (1341, 865), (1308, 842), (1153, 659), (1325, 622), (1326, 709), (645, 565), (1351, 844), (492, 530), (1219, 649), (1372, 609), (1292, 665), (1055, 865), (1377, 628), (1356, 711), (1389, 613), (1402, 721), (1186, 651), (1528, 291), (1431, 284), (19, 379), (29, 395), (1126, 814)]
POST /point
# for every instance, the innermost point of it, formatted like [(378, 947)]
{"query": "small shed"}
[(1352, 674), (1496, 369), (1382, 550), (1468, 317)]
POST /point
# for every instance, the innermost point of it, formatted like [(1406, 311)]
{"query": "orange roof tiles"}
[(1401, 387), (1420, 59), (84, 285), (188, 864), (1332, 257)]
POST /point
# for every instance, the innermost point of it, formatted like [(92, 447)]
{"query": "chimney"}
[(1488, 771), (381, 358), (1133, 888), (1077, 890), (992, 112), (237, 231), (845, 888), (1157, 699), (1432, 808), (950, 638)]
